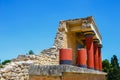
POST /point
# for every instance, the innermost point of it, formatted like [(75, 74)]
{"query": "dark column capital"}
[(96, 41), (89, 34), (100, 45)]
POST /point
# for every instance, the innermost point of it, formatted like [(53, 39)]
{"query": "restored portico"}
[(82, 34), (77, 46)]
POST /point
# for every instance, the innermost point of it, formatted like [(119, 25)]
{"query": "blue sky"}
[(32, 24)]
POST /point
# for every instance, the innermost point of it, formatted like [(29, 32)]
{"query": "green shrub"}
[(5, 62)]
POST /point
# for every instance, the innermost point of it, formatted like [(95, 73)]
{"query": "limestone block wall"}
[(70, 76), (17, 69), (44, 78), (64, 72)]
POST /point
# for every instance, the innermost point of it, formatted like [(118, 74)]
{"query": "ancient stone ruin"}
[(75, 55)]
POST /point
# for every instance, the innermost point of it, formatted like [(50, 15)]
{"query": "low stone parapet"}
[(64, 72)]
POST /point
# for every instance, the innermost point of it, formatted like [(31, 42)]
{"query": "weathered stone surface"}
[(17, 69), (57, 70)]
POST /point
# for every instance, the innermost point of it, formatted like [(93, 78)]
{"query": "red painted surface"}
[(90, 53), (81, 57), (96, 59), (65, 54), (100, 59)]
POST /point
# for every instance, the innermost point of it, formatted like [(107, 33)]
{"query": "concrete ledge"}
[(58, 70)]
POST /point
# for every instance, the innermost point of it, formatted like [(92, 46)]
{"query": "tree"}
[(112, 69), (5, 62), (31, 52), (114, 62), (106, 65), (114, 73)]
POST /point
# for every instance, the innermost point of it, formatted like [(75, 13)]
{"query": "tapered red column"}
[(81, 60), (65, 56), (90, 52), (96, 59), (100, 57)]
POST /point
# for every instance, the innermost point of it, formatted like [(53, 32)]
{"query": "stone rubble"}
[(17, 69)]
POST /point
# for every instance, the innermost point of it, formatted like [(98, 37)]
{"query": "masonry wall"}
[(70, 76)]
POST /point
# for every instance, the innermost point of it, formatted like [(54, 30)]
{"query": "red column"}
[(100, 57), (90, 52), (81, 58), (96, 59), (65, 55)]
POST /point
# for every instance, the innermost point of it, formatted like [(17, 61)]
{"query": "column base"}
[(97, 69), (69, 62), (83, 66), (90, 68)]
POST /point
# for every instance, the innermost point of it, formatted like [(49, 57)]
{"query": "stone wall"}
[(64, 72), (17, 69), (45, 78), (70, 76)]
